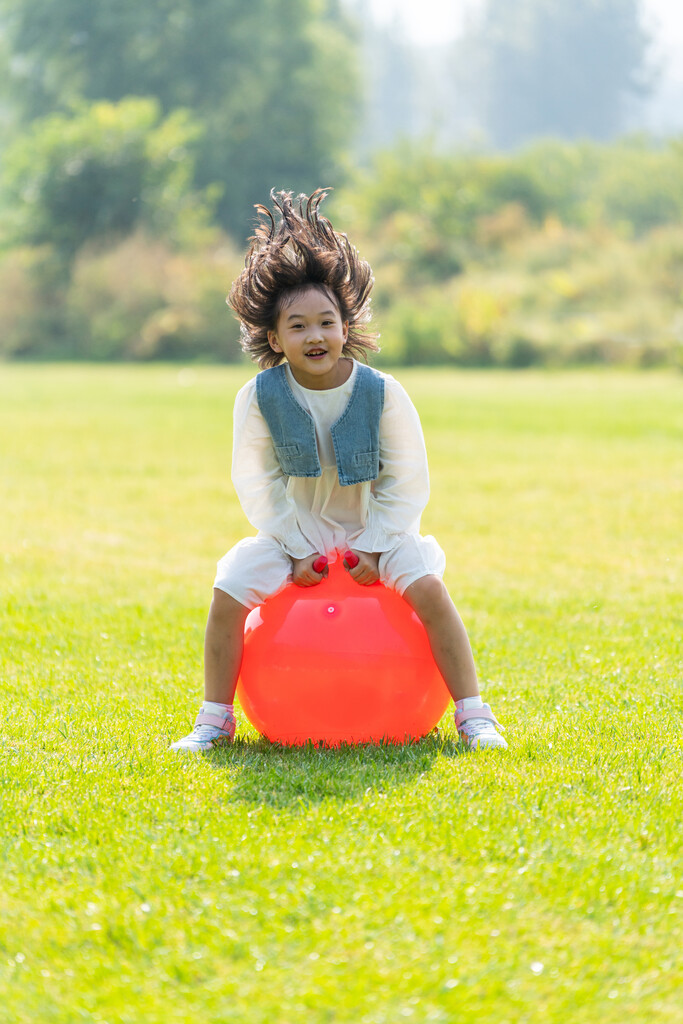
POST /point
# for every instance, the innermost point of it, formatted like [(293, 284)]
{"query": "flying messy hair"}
[(301, 250)]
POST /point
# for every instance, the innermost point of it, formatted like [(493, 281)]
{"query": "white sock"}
[(469, 702), (212, 708)]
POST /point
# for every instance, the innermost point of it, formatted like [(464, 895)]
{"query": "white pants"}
[(257, 567)]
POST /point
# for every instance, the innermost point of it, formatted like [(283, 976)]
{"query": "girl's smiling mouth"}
[(316, 353)]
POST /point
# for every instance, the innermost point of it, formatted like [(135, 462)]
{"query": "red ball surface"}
[(339, 663)]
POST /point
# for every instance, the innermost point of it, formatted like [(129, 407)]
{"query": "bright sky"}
[(427, 21), (433, 21)]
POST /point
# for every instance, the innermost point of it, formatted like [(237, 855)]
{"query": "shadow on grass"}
[(268, 773)]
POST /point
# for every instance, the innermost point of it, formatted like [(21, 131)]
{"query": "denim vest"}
[(355, 435)]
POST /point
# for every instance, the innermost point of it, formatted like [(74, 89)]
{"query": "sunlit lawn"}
[(363, 885)]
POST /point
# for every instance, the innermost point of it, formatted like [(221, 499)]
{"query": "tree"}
[(549, 67), (273, 82), (391, 83), (98, 174)]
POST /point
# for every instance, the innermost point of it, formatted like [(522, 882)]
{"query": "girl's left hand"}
[(367, 571)]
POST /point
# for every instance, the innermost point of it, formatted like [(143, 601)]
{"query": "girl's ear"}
[(273, 342), (345, 329)]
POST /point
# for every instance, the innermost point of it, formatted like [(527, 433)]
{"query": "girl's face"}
[(311, 335)]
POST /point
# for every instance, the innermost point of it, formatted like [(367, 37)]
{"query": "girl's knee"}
[(427, 596)]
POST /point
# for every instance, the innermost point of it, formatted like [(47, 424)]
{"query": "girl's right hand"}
[(303, 573), (366, 568)]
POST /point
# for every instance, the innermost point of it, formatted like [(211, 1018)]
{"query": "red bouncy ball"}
[(339, 663)]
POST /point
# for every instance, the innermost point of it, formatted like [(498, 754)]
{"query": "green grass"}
[(370, 884)]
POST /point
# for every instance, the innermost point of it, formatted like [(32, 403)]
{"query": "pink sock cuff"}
[(225, 722), (485, 712)]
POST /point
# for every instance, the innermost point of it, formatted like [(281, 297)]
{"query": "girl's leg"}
[(450, 644), (474, 720), (223, 647), (253, 569)]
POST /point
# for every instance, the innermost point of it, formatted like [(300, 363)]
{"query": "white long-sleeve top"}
[(316, 514)]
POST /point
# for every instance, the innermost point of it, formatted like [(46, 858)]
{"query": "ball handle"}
[(350, 560)]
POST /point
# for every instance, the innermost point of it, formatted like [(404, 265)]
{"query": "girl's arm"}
[(260, 484), (399, 495)]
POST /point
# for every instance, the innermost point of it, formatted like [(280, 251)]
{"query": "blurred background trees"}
[(271, 86), (101, 171), (509, 217), (548, 67)]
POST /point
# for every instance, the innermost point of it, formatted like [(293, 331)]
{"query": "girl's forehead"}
[(308, 294)]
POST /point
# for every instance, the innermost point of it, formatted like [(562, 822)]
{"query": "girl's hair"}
[(300, 251)]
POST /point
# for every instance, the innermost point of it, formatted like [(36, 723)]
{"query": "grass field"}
[(375, 884)]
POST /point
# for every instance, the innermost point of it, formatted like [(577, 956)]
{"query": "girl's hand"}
[(303, 573), (367, 571)]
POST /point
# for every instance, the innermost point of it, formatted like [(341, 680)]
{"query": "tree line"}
[(269, 90), (137, 138)]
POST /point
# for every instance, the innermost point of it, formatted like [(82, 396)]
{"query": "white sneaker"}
[(209, 731), (478, 729)]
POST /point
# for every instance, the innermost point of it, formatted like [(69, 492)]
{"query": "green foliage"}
[(32, 291), (547, 67), (287, 117), (272, 85), (138, 299), (558, 253), (142, 300), (100, 173), (372, 884), (634, 183)]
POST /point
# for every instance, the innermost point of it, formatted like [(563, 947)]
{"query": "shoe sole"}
[(476, 744), (219, 741)]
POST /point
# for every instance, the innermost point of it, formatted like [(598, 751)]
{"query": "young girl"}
[(328, 455)]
